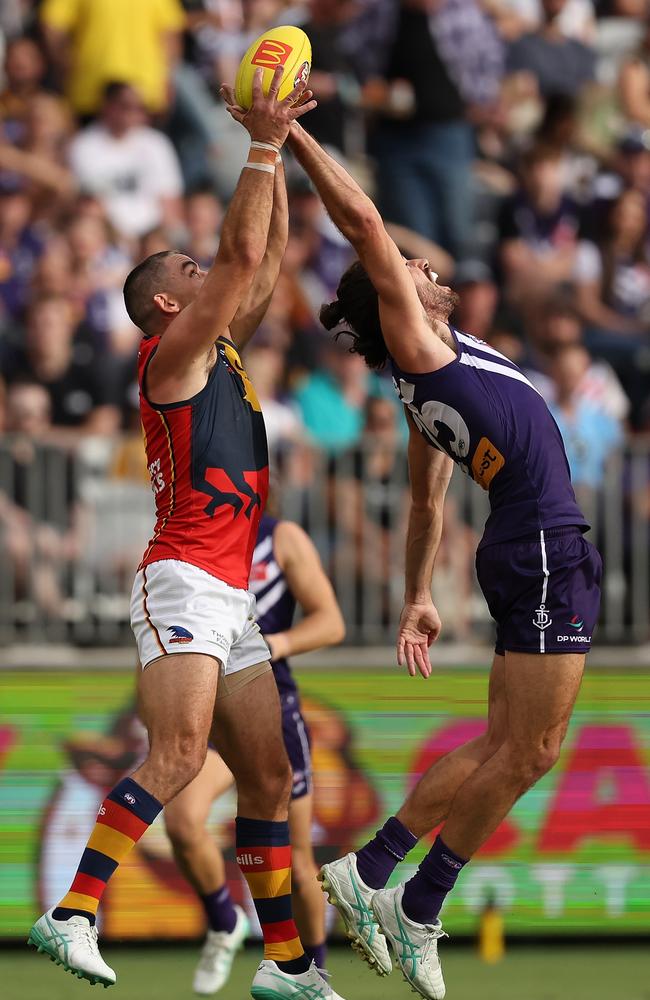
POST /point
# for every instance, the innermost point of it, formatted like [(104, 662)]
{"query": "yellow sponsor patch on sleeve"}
[(487, 461)]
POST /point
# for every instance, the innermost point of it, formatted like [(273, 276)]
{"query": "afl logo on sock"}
[(129, 798), (451, 862)]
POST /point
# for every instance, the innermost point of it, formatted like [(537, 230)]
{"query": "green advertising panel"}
[(574, 855)]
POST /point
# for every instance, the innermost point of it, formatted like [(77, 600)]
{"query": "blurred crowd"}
[(506, 140)]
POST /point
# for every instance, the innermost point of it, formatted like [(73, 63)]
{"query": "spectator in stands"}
[(590, 434), (450, 54), (130, 166), (36, 164), (369, 502), (538, 230), (613, 278), (203, 216), (93, 42), (40, 524), (479, 297), (98, 270), (332, 399), (332, 77), (559, 65), (20, 247), (24, 69), (81, 385), (558, 327), (265, 367), (634, 83)]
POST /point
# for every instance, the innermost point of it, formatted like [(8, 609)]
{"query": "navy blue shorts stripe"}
[(96, 864), (272, 911), (260, 833)]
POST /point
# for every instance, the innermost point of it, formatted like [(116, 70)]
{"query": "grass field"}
[(581, 973)]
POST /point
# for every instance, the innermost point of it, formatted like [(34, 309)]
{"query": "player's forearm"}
[(321, 628), (245, 230), (422, 542), (350, 208)]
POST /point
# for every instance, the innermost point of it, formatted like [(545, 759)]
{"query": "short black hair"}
[(357, 305), (140, 287), (114, 88)]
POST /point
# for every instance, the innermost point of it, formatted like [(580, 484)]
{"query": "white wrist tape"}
[(267, 168), (265, 145)]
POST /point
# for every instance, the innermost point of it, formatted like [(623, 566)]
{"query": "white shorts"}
[(178, 608)]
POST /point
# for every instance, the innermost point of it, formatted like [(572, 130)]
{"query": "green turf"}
[(606, 971)]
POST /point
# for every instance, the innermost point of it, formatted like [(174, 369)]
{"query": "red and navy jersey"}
[(275, 602), (209, 467)]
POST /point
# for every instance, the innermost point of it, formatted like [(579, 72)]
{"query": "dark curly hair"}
[(357, 305)]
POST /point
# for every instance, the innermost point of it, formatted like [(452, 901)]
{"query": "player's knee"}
[(183, 830), (275, 783), (179, 758), (530, 762)]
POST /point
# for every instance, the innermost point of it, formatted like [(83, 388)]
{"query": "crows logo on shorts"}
[(179, 634), (211, 460)]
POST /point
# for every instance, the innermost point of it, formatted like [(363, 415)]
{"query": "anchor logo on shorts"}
[(542, 618)]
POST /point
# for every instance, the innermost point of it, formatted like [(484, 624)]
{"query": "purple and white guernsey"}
[(484, 413), (275, 602)]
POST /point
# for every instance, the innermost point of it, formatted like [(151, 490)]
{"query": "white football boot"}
[(271, 983), (73, 944), (218, 954), (415, 945), (347, 891)]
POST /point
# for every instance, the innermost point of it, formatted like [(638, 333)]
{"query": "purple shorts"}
[(298, 744), (543, 593)]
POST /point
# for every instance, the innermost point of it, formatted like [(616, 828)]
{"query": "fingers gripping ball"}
[(286, 46)]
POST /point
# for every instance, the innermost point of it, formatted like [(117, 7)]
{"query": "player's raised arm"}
[(403, 323), (190, 337), (429, 473), (322, 623), (252, 310)]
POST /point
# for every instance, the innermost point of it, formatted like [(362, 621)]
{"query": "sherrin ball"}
[(285, 46)]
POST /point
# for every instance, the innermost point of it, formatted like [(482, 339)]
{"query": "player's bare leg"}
[(201, 862), (308, 900), (248, 734), (177, 695), (351, 882), (429, 802), (540, 694)]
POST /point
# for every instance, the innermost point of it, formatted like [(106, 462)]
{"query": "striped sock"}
[(122, 819), (264, 857)]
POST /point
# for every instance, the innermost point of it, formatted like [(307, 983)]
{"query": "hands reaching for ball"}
[(268, 119)]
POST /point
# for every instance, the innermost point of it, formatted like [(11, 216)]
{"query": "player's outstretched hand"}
[(268, 119), (419, 626)]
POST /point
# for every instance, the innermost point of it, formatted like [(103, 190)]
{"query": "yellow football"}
[(285, 46)]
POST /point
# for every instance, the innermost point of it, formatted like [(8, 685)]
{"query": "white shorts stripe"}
[(542, 543)]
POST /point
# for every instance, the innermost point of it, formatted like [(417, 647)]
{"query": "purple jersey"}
[(484, 413), (275, 602)]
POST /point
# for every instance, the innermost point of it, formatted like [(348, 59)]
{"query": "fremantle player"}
[(193, 617), (286, 570), (466, 404)]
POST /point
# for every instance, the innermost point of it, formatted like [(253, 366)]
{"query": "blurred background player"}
[(465, 404), (286, 571), (205, 440)]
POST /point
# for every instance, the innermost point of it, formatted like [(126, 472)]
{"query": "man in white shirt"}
[(130, 166)]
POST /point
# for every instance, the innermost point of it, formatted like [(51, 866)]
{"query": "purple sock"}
[(219, 910), (380, 856), (316, 953), (425, 893)]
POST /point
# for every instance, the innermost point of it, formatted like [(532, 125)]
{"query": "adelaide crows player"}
[(203, 657), (467, 405)]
